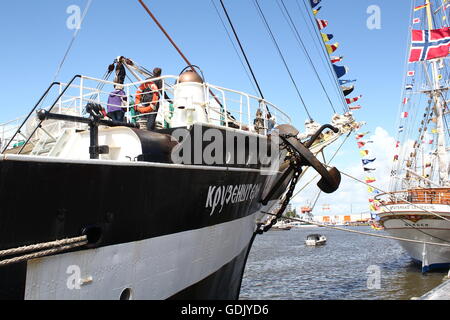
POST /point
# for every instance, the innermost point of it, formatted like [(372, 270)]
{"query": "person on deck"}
[(116, 100), (151, 118)]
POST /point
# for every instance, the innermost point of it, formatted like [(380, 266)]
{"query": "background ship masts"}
[(436, 95)]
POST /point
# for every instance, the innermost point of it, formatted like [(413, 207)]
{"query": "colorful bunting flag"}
[(353, 99), (396, 157), (364, 153), (409, 87), (355, 107), (361, 144), (327, 37), (314, 3), (421, 7), (361, 135), (316, 11), (416, 21), (336, 59), (340, 70), (342, 82), (370, 180), (347, 90), (405, 100), (411, 73), (369, 169), (404, 115), (332, 47), (400, 129), (322, 24), (367, 161), (429, 44)]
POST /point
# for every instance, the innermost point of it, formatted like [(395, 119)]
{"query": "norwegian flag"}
[(353, 99), (322, 23), (429, 44)]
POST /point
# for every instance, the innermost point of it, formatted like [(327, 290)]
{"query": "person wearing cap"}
[(116, 100)]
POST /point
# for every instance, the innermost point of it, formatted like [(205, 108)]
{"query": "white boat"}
[(281, 226), (418, 204), (315, 240)]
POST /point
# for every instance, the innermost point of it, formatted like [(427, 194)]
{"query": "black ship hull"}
[(167, 227)]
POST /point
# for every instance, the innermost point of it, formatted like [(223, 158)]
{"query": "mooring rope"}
[(52, 247)]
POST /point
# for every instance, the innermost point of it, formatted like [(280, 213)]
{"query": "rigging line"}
[(319, 50), (361, 232), (281, 56), (300, 41), (166, 34), (77, 31), (325, 53), (410, 203), (235, 48), (175, 46), (241, 47)]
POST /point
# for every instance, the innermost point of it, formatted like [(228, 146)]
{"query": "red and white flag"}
[(322, 23), (429, 44), (353, 99), (416, 20), (404, 114), (336, 59), (405, 101), (355, 108), (411, 73)]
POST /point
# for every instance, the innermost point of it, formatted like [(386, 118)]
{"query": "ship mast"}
[(438, 111)]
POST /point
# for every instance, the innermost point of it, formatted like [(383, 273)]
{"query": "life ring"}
[(151, 107)]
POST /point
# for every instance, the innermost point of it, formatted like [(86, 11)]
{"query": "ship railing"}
[(7, 131), (223, 107), (416, 196)]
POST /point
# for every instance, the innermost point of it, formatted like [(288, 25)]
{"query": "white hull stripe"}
[(156, 268)]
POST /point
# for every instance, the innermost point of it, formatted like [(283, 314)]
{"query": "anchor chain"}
[(296, 163)]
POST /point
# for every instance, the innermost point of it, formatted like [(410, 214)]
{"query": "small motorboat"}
[(315, 240)]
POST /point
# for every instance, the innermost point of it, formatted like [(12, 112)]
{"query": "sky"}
[(34, 36)]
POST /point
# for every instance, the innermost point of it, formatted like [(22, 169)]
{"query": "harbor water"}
[(349, 267)]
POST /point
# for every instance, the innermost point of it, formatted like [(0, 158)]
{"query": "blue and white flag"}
[(342, 82), (367, 161), (340, 70), (314, 3)]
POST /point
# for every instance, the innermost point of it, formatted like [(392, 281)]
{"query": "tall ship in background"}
[(418, 204)]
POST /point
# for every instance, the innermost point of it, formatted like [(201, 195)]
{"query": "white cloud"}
[(352, 195)]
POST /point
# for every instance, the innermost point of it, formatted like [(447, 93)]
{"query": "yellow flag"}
[(332, 47)]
